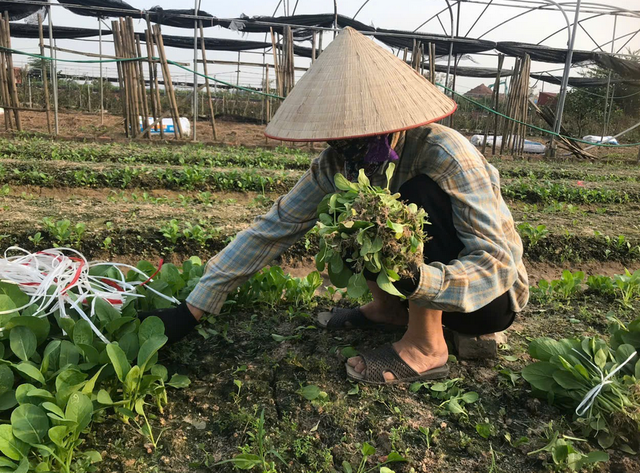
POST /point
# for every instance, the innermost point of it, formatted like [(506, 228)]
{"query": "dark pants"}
[(445, 246)]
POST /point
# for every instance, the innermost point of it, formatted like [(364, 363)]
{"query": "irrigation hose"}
[(246, 89)]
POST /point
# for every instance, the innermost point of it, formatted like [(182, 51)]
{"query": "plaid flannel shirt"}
[(489, 265)]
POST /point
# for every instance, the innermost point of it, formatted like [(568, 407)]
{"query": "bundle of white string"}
[(58, 279)]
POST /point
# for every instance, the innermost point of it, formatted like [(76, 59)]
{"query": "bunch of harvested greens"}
[(365, 227)]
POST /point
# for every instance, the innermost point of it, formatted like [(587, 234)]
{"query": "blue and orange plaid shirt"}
[(489, 265)]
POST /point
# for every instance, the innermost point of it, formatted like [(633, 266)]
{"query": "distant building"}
[(547, 98), (482, 91)]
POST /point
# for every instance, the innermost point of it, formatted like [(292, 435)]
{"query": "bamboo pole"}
[(54, 72), (267, 88), (101, 71), (313, 47), (12, 78), (496, 103), (168, 84), (43, 69), (124, 97), (276, 69), (525, 101), (133, 129), (206, 81), (143, 87), (131, 76), (432, 63), (4, 85), (512, 92), (153, 74)]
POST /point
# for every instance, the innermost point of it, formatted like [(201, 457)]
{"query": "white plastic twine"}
[(594, 392), (58, 278)]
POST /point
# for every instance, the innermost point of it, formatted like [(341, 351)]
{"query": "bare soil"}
[(86, 126)]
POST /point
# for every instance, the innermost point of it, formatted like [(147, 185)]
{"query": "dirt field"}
[(127, 202), (79, 126)]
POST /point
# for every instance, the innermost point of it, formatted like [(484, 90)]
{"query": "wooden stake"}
[(4, 85), (496, 102), (206, 81), (12, 78), (130, 79), (45, 82), (275, 61), (267, 90), (124, 98), (143, 87), (153, 72), (168, 84)]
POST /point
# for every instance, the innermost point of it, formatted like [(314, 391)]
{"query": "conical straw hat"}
[(355, 89)]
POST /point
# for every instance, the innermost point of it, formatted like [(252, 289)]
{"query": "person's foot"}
[(391, 313), (419, 355)]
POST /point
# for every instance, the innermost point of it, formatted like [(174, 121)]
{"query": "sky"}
[(399, 14)]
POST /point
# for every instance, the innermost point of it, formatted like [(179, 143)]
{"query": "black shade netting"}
[(19, 10)]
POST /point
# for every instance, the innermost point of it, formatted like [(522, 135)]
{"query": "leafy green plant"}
[(262, 457), (533, 234), (106, 243), (627, 286), (55, 374), (195, 233), (453, 397), (365, 227), (429, 435), (36, 238), (601, 285), (367, 450), (171, 231), (63, 232), (564, 454), (60, 230), (598, 380), (273, 287), (564, 288)]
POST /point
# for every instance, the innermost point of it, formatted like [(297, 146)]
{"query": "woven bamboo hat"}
[(356, 89)]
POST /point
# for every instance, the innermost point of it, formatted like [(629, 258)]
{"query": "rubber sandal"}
[(386, 359), (348, 319)]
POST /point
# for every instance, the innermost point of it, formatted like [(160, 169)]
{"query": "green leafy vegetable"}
[(366, 228)]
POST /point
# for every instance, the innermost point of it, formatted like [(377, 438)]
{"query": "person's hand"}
[(409, 284), (178, 321)]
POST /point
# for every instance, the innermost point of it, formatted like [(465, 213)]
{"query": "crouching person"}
[(373, 109)]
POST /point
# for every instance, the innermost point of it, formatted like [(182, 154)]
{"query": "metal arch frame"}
[(609, 9), (437, 15), (604, 9), (359, 9), (564, 27)]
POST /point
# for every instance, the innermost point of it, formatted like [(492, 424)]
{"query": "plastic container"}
[(167, 126)]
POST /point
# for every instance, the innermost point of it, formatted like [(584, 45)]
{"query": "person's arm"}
[(290, 218), (486, 268)]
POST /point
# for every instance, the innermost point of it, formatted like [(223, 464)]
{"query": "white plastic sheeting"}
[(601, 139), (533, 147)]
